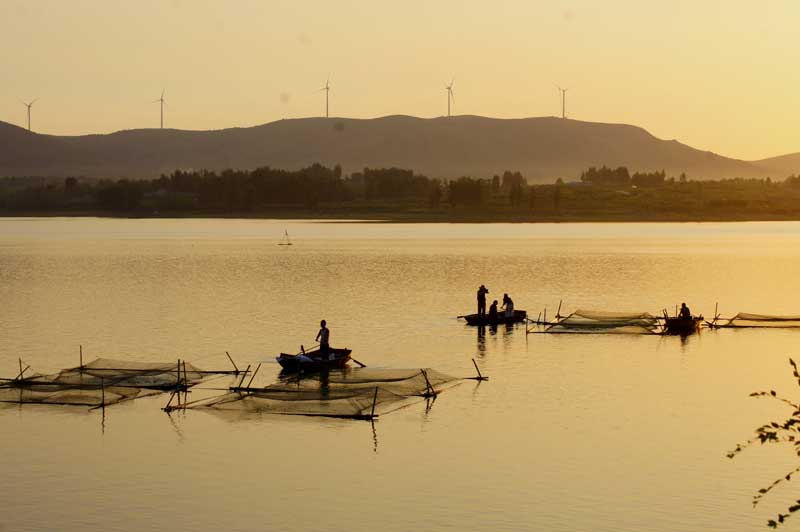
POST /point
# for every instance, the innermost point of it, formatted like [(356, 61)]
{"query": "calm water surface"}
[(596, 433)]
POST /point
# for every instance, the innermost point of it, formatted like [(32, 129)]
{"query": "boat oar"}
[(359, 363)]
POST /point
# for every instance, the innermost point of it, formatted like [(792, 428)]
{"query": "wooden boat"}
[(314, 360), (476, 319), (682, 326)]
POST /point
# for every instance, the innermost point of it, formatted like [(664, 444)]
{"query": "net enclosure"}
[(101, 382), (750, 320), (357, 393), (603, 322)]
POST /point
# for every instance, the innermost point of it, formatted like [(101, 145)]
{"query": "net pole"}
[(244, 375), (374, 402), (431, 391), (480, 377), (102, 394), (232, 362), (178, 383), (254, 375), (185, 386)]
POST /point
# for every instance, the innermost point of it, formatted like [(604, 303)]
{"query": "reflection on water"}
[(616, 433)]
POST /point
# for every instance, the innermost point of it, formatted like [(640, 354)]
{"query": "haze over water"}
[(571, 432)]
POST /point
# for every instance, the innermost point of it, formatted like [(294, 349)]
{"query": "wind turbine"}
[(327, 89), (450, 96), (29, 105), (563, 102), (161, 100)]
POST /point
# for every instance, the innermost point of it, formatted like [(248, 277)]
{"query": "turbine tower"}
[(563, 102), (161, 100), (327, 89), (449, 89), (29, 105)]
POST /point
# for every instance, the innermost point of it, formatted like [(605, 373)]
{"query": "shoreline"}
[(416, 217)]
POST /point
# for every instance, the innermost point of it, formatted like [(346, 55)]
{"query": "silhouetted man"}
[(508, 305), (493, 312), (323, 336), (685, 313), (482, 291)]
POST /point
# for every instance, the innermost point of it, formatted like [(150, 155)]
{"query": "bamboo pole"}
[(80, 351), (232, 362), (431, 391), (19, 376), (244, 375), (374, 402), (480, 376), (185, 385), (558, 312), (178, 384), (254, 375), (103, 393)]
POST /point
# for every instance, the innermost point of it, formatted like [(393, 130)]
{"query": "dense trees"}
[(602, 193)]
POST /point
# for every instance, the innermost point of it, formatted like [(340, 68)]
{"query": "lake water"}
[(571, 432)]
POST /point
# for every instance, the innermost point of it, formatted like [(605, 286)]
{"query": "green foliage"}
[(786, 431)]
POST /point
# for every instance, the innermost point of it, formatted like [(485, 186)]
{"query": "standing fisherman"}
[(323, 336), (482, 291)]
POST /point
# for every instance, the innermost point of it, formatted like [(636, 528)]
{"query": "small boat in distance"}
[(682, 326), (476, 319), (314, 360), (285, 241)]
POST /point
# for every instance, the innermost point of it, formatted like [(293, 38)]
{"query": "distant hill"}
[(543, 149), (782, 166)]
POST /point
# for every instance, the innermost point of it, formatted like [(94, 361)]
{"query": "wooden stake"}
[(80, 348), (243, 376), (232, 362), (431, 391), (254, 375), (103, 393), (374, 401), (19, 376), (480, 376), (20, 367)]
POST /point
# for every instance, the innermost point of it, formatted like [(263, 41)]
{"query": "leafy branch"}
[(787, 431)]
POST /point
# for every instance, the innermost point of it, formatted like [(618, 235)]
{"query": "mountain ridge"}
[(542, 148)]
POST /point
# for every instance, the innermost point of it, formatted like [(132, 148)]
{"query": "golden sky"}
[(717, 75)]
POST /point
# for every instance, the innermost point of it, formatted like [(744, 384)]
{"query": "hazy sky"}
[(718, 75)]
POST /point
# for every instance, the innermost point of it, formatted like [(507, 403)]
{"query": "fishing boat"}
[(477, 319), (285, 241), (682, 326), (314, 360)]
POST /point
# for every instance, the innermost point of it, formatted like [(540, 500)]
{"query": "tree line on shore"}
[(612, 191)]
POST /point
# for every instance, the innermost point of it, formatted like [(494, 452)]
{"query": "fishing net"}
[(103, 381), (600, 322), (746, 319), (350, 393)]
